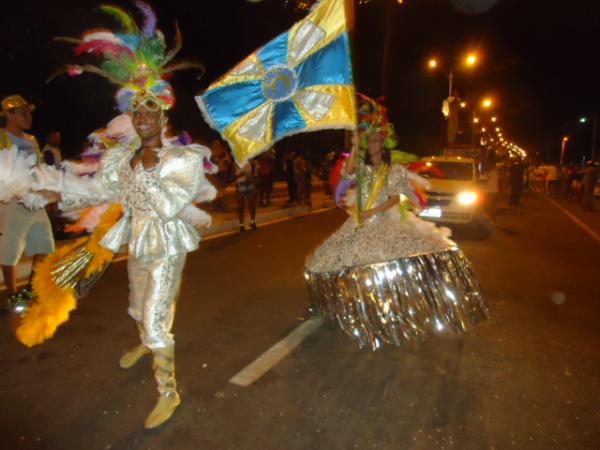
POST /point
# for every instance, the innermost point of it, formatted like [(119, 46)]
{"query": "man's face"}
[(20, 116), (147, 123)]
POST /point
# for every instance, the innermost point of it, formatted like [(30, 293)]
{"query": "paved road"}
[(526, 379)]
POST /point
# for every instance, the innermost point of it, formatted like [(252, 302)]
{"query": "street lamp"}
[(451, 105), (583, 121), (485, 104), (494, 119), (471, 59)]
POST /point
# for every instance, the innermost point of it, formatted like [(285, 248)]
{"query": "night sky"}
[(539, 63)]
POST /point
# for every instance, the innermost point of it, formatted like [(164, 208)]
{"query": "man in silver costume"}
[(156, 185), (155, 182)]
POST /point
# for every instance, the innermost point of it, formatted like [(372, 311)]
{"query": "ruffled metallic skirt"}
[(400, 300)]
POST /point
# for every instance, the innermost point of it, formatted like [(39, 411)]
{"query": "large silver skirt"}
[(400, 300)]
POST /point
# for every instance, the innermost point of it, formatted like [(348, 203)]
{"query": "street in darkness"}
[(525, 379)]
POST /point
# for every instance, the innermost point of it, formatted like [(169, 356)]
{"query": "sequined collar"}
[(160, 153)]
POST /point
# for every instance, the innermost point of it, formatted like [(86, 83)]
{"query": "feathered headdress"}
[(135, 59), (373, 118)]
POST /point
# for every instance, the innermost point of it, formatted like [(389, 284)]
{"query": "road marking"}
[(271, 357), (270, 222), (575, 219)]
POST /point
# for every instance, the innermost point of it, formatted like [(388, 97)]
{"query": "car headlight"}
[(467, 198)]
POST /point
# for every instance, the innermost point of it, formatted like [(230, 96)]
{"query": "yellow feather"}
[(52, 307), (53, 303)]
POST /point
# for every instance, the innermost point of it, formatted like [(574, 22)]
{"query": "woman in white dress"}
[(386, 276)]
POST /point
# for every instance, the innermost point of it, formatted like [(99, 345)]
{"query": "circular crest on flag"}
[(280, 83)]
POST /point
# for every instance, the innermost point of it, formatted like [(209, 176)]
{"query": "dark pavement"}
[(526, 379)]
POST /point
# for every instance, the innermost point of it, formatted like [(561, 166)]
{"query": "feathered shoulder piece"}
[(135, 58)]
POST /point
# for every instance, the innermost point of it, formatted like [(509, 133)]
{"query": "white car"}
[(454, 196)]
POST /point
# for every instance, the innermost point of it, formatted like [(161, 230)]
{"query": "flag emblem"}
[(300, 81)]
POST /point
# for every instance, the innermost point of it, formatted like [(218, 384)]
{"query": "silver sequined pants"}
[(153, 290)]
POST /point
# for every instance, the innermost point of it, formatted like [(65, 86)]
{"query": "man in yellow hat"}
[(21, 229)]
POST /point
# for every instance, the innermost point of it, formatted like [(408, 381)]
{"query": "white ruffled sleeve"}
[(179, 180), (104, 187)]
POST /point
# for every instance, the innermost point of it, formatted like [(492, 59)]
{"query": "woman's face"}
[(375, 147)]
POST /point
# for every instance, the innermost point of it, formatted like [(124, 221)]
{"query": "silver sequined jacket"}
[(154, 200)]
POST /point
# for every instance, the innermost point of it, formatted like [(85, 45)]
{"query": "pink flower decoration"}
[(74, 71)]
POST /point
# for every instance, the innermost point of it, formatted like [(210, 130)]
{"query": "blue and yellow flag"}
[(300, 81)]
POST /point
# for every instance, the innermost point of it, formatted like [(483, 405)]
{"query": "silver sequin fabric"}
[(400, 300), (383, 237), (393, 279), (152, 200), (153, 290)]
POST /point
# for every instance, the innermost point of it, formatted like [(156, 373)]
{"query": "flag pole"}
[(350, 6)]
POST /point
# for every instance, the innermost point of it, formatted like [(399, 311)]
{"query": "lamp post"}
[(450, 106), (583, 120), (469, 60), (486, 103), (563, 149)]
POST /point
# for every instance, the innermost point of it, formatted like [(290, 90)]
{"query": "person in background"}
[(590, 178), (571, 176), (224, 164), (492, 191), (300, 167), (325, 172), (565, 175), (53, 157), (21, 229), (246, 179), (308, 182), (515, 180), (266, 169), (551, 180), (502, 168), (290, 178), (537, 179), (51, 152)]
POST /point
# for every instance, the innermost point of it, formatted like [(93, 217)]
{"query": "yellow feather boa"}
[(54, 303)]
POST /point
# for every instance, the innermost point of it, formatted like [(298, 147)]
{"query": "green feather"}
[(152, 52), (390, 143), (122, 16), (400, 157), (119, 68)]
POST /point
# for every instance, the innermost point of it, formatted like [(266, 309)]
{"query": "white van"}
[(454, 196)]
